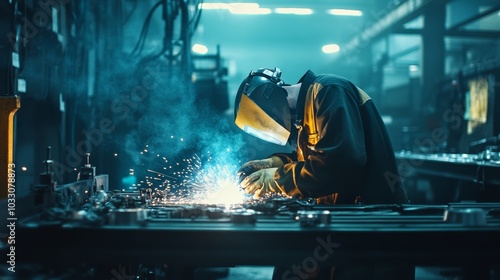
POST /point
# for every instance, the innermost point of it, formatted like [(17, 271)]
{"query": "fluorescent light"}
[(345, 12), (331, 48), (251, 11), (213, 6), (201, 49), (227, 6), (413, 68), (293, 11)]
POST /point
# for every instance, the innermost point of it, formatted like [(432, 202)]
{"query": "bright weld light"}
[(331, 48), (225, 191), (345, 12), (293, 11), (201, 49)]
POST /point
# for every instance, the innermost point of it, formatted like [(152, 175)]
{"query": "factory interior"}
[(119, 152)]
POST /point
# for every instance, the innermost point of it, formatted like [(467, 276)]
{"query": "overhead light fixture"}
[(293, 11), (213, 6), (237, 8), (229, 6), (201, 49), (331, 48), (345, 12), (413, 68), (245, 11), (252, 9)]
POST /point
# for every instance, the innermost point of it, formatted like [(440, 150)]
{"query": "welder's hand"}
[(255, 165), (260, 182)]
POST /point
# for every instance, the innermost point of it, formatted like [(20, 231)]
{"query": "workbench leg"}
[(8, 106)]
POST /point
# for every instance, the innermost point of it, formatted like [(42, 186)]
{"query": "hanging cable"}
[(129, 15), (142, 38)]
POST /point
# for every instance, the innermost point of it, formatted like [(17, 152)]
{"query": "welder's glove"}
[(255, 165), (260, 182)]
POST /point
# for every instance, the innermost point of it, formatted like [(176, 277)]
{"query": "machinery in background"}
[(208, 76), (50, 195), (457, 158)]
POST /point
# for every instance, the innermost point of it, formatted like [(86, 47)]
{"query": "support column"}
[(433, 52), (8, 106)]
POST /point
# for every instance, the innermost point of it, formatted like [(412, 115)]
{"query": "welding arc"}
[(159, 173)]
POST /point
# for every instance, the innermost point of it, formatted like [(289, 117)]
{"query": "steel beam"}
[(393, 19)]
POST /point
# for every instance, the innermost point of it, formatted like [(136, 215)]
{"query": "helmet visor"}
[(255, 121)]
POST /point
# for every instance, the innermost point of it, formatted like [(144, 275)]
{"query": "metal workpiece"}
[(243, 217), (44, 190), (310, 218), (467, 217), (87, 171), (127, 217)]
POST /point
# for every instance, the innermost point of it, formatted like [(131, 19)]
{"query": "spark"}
[(201, 178), (216, 184), (159, 173)]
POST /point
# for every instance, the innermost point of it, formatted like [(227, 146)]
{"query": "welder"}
[(342, 151)]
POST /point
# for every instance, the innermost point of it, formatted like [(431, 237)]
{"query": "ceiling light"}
[(345, 12), (201, 49), (213, 6), (227, 6), (293, 11), (331, 48), (251, 11)]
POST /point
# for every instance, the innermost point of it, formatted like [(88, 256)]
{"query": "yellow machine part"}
[(8, 107)]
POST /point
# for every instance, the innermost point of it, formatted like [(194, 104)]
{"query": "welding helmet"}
[(261, 106)]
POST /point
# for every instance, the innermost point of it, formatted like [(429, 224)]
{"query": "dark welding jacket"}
[(343, 153)]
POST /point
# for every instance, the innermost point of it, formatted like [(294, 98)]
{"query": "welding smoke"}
[(158, 107)]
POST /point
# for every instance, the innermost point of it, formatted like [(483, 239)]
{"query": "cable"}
[(129, 15), (142, 38), (196, 17)]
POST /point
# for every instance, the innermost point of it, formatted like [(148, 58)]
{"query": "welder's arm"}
[(337, 163)]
